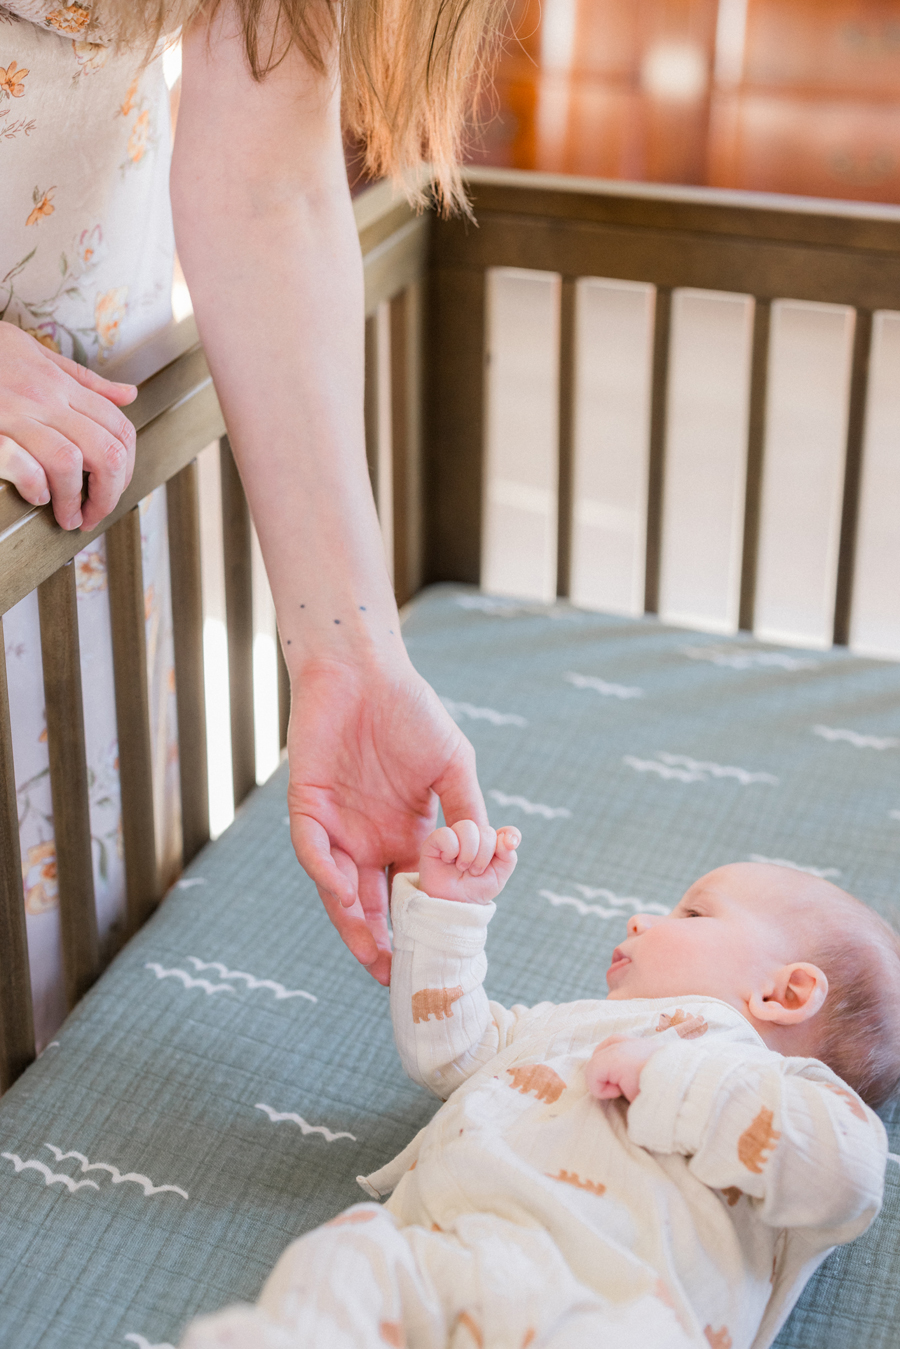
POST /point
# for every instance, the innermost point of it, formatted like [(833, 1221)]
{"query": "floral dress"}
[(86, 254)]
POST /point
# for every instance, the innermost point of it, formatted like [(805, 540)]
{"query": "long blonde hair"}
[(411, 70)]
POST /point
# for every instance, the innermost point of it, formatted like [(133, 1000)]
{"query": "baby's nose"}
[(638, 923)]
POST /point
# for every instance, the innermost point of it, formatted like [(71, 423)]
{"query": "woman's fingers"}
[(107, 450), (63, 465), (24, 472), (120, 394)]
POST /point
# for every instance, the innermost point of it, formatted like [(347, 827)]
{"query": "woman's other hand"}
[(371, 752), (59, 421)]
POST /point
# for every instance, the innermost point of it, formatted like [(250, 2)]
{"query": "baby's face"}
[(728, 932)]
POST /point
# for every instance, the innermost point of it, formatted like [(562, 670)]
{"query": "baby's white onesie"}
[(527, 1213)]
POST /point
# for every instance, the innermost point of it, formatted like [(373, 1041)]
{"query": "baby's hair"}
[(858, 1028)]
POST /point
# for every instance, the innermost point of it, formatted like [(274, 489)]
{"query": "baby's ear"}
[(795, 994)]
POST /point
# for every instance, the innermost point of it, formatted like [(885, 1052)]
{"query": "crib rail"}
[(176, 415), (755, 248)]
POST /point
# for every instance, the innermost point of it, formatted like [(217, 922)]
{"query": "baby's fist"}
[(615, 1066), (468, 863)]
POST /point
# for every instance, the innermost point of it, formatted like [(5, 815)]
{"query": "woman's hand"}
[(59, 421), (371, 751)]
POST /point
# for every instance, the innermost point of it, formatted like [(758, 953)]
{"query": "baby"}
[(659, 1169)]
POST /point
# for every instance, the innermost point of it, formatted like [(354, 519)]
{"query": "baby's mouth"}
[(619, 961)]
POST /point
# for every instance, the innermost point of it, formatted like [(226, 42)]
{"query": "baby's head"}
[(816, 972)]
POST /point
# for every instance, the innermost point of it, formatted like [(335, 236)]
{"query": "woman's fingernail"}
[(75, 521), (42, 499)]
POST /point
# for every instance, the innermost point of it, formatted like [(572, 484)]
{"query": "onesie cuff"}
[(656, 1115), (444, 924)]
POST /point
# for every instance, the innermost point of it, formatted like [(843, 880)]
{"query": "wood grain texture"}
[(756, 433), (183, 509), (859, 379), (405, 329), (566, 447), (239, 618), (57, 605), (126, 605), (668, 258), (754, 215), (454, 425), (16, 1024), (656, 468)]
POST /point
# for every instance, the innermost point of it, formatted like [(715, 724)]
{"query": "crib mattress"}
[(218, 1091)]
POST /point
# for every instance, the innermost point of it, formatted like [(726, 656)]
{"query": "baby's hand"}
[(615, 1066), (466, 863)]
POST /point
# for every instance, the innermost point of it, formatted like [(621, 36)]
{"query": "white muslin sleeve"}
[(787, 1132), (444, 1026)]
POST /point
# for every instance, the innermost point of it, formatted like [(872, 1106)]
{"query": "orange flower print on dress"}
[(43, 205), (137, 141), (392, 1333), (128, 102), (89, 247), (11, 81), (757, 1141), (436, 1002), (529, 1337), (718, 1339), (69, 19), (90, 571), (540, 1078), (688, 1027), (90, 56), (45, 333), (109, 311), (572, 1178), (39, 876)]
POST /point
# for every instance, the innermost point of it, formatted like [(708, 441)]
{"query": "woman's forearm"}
[(268, 242)]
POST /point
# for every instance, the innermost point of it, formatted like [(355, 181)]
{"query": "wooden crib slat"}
[(859, 380), (60, 653), (656, 467), (756, 432), (454, 440), (183, 509), (129, 643), (566, 436), (16, 1024), (239, 615)]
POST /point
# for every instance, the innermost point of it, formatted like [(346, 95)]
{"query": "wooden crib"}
[(707, 478)]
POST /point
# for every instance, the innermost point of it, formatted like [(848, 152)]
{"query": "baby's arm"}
[(444, 1026), (786, 1133)]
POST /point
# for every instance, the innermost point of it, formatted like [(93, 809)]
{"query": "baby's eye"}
[(692, 913)]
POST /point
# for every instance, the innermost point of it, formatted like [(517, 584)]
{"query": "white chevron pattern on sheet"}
[(854, 738), (49, 1177), (277, 1115), (600, 686), (682, 768), (531, 807), (251, 980), (118, 1178), (458, 710)]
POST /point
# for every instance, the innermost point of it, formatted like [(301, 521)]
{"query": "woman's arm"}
[(267, 239)]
